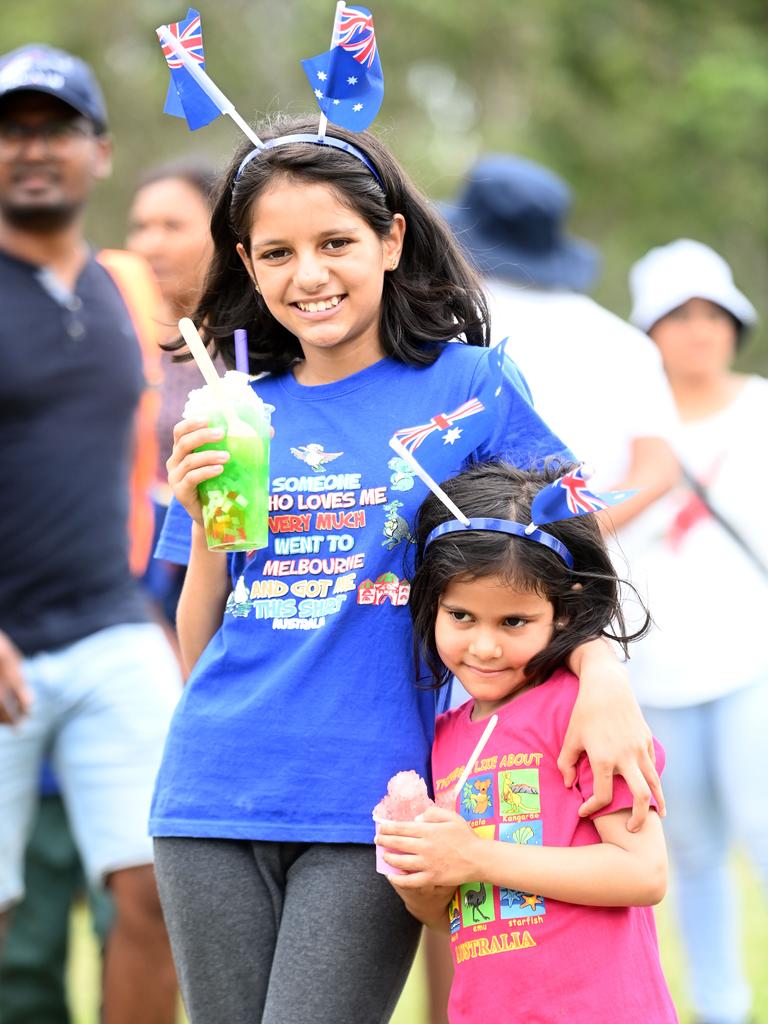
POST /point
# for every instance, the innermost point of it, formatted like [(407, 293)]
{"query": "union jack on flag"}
[(579, 499), (356, 34), (569, 496), (412, 437), (190, 37), (185, 97)]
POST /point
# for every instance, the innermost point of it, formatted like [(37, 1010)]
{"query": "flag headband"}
[(503, 526), (312, 140)]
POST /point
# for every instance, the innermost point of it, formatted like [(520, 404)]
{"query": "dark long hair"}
[(432, 296), (586, 599)]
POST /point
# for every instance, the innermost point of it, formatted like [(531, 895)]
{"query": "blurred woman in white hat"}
[(702, 674)]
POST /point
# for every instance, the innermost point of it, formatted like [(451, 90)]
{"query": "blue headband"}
[(503, 526), (313, 140)]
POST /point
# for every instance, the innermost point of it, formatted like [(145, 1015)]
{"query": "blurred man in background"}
[(84, 675)]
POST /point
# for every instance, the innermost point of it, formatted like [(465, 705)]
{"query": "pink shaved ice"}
[(406, 798)]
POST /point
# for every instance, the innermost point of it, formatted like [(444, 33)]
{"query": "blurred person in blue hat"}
[(85, 675), (597, 380), (701, 556)]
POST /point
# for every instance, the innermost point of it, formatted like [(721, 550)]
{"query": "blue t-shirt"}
[(305, 702)]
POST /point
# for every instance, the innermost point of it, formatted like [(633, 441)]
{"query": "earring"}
[(393, 265)]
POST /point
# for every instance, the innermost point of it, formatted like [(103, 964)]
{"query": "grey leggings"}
[(283, 933)]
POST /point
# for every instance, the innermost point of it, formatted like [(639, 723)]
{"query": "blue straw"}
[(241, 350)]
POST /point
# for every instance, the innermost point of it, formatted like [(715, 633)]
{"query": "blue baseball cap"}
[(40, 68)]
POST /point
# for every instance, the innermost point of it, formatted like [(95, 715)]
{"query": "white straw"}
[(474, 755), (436, 489), (208, 86), (323, 124), (208, 370)]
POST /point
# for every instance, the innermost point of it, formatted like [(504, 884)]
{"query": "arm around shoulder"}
[(606, 722)]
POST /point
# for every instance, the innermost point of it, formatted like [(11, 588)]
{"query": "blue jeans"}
[(716, 795), (101, 708)]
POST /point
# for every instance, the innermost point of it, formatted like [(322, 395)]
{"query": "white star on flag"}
[(336, 103), (351, 80), (319, 93), (322, 75), (452, 436), (357, 107)]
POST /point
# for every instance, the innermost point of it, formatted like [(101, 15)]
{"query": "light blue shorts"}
[(101, 711)]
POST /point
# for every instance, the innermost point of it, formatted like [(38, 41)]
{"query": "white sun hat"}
[(670, 275)]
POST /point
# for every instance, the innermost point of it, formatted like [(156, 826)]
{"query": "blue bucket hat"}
[(40, 68), (509, 217)]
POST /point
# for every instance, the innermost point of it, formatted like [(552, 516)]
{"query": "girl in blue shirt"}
[(303, 696)]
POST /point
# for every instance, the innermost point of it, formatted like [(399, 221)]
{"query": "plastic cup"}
[(235, 503), (381, 865), (405, 800)]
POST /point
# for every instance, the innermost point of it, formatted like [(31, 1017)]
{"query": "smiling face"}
[(486, 632), (320, 270), (50, 158)]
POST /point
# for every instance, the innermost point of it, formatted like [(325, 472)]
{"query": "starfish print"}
[(531, 901)]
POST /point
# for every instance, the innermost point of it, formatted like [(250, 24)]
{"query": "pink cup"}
[(381, 865)]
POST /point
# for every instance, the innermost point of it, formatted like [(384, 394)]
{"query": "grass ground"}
[(412, 1008)]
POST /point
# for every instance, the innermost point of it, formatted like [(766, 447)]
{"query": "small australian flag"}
[(347, 79)]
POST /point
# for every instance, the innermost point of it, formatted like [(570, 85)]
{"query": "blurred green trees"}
[(655, 111)]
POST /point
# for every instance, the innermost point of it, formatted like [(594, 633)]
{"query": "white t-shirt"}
[(597, 382), (707, 598)]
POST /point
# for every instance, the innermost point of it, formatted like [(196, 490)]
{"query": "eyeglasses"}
[(57, 135)]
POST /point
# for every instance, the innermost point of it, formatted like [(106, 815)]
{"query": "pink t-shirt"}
[(520, 956)]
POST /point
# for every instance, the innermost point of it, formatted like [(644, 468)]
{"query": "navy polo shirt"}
[(70, 381)]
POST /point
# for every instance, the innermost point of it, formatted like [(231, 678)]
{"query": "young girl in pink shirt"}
[(548, 911)]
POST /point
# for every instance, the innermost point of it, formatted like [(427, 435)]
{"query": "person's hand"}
[(436, 851), (187, 468), (15, 697), (607, 724)]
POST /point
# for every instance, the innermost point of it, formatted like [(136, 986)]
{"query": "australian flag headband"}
[(503, 526), (565, 498), (346, 81), (314, 140)]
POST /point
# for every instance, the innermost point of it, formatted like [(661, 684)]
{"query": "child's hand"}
[(438, 849), (428, 904), (187, 468)]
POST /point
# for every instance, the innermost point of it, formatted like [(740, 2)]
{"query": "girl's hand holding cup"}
[(187, 468)]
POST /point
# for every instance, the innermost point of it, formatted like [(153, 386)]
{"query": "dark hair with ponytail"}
[(586, 599), (432, 296)]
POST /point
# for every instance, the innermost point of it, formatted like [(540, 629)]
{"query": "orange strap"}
[(141, 294)]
